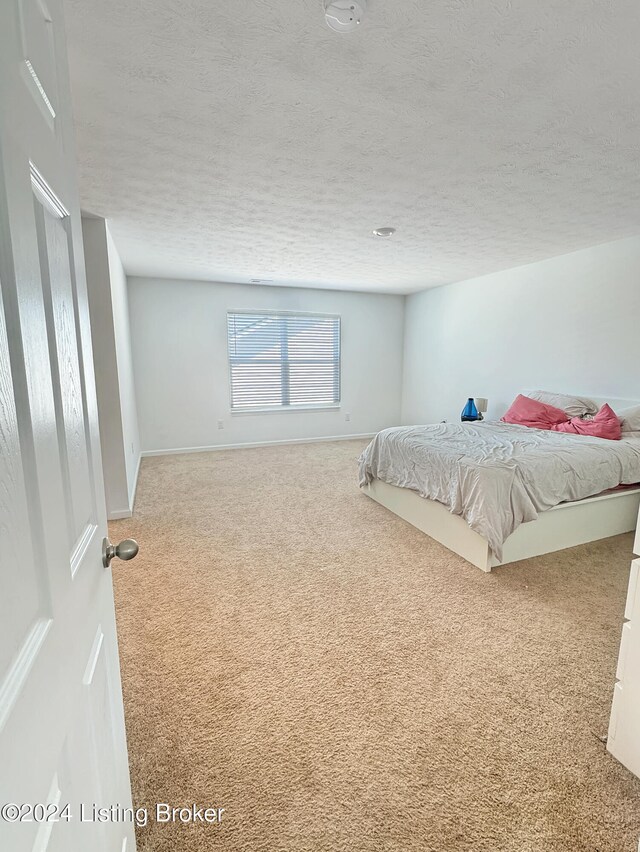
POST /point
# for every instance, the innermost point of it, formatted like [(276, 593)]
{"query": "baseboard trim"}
[(119, 514), (215, 447)]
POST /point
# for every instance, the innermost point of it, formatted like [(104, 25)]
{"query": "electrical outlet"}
[(220, 424), (347, 417)]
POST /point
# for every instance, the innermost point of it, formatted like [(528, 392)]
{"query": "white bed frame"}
[(563, 526), (566, 525)]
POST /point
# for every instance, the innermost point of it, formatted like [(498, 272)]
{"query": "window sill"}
[(284, 409)]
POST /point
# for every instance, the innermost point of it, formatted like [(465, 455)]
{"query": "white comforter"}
[(495, 475)]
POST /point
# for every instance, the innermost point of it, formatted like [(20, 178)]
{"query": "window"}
[(283, 360)]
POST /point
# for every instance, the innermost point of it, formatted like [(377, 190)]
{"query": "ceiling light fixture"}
[(384, 232), (344, 15)]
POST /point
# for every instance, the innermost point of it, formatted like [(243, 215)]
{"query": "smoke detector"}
[(344, 15)]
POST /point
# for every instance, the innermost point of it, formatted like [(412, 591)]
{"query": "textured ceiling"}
[(236, 139)]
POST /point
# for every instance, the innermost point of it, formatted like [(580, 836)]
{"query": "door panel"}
[(39, 54), (65, 358), (25, 610), (62, 735)]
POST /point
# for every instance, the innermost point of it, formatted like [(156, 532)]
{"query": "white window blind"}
[(283, 360)]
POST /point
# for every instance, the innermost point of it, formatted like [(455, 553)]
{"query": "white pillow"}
[(630, 419), (574, 406)]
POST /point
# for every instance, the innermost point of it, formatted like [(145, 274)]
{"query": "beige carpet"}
[(339, 682)]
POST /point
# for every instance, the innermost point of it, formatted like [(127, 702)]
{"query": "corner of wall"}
[(133, 486), (117, 415)]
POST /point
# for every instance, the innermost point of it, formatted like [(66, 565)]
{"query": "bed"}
[(496, 493)]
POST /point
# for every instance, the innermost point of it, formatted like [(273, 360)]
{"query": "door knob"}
[(127, 549)]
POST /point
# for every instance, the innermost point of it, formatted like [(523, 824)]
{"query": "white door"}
[(62, 738)]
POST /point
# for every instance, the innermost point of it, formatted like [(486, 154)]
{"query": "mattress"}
[(497, 475)]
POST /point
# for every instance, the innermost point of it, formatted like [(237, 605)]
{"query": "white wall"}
[(179, 342), (566, 324), (124, 361), (108, 308)]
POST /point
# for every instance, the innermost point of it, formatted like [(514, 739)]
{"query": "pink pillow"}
[(605, 424), (525, 411)]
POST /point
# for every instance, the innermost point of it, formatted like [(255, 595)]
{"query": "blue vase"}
[(469, 412)]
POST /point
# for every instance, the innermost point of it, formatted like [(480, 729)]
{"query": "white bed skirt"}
[(566, 525)]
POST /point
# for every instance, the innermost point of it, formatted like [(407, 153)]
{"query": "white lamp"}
[(481, 405)]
